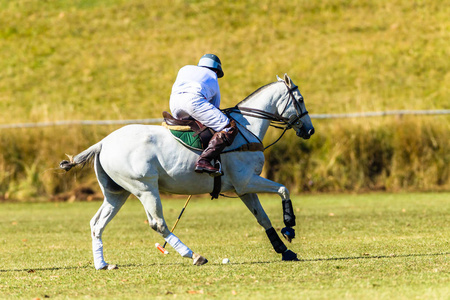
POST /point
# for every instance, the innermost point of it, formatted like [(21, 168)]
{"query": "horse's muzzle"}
[(305, 133)]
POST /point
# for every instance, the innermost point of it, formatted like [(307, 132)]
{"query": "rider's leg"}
[(217, 143), (200, 109)]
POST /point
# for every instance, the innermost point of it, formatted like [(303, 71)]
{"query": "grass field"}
[(373, 246), (117, 59)]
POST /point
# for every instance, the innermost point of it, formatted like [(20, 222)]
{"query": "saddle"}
[(195, 135), (189, 132)]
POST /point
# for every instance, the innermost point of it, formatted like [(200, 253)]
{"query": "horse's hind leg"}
[(114, 198), (153, 208), (110, 207), (254, 205)]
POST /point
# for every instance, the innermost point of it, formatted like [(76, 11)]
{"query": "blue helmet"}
[(211, 61)]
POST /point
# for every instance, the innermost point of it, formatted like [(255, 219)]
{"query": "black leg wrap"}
[(277, 243), (288, 213)]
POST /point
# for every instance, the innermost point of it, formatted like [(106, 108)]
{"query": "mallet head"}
[(160, 248)]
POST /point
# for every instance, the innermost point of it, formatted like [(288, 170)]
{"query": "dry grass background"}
[(117, 59)]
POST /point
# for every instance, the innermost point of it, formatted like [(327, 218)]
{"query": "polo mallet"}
[(157, 245)]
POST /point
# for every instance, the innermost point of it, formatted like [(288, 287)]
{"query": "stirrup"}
[(217, 165), (212, 173), (218, 173)]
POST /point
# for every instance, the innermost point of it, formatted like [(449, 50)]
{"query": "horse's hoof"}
[(198, 259), (288, 255), (110, 267), (288, 233)]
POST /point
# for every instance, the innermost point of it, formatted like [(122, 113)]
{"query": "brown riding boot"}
[(217, 143)]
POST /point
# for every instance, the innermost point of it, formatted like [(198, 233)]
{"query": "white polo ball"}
[(225, 261)]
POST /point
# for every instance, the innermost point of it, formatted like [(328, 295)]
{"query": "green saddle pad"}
[(188, 139)]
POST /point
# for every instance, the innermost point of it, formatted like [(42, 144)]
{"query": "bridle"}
[(276, 120)]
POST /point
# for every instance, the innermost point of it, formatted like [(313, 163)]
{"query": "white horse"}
[(145, 159)]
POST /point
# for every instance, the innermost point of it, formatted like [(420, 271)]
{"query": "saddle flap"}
[(171, 121), (199, 136)]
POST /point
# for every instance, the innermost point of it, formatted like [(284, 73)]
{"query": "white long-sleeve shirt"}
[(198, 81), (196, 94)]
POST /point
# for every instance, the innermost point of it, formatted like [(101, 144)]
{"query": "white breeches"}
[(184, 105)]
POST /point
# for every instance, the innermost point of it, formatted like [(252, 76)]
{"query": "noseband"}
[(276, 120), (293, 119)]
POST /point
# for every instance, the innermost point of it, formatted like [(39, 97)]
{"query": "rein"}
[(277, 121)]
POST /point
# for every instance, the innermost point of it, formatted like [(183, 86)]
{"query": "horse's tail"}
[(81, 158)]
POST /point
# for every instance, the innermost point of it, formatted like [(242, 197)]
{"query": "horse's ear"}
[(287, 80)]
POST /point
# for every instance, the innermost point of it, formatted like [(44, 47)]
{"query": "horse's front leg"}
[(258, 184), (254, 205)]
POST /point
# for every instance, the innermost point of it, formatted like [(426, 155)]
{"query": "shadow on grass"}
[(374, 256), (243, 263), (351, 258)]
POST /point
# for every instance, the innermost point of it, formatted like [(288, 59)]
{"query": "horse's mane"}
[(256, 92)]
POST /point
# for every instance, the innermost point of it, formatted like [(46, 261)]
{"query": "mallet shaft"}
[(179, 217)]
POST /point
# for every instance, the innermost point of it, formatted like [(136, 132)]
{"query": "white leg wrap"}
[(176, 244), (97, 250)]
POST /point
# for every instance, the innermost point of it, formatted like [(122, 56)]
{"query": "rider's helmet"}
[(211, 61)]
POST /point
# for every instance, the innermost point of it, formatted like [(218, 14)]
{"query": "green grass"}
[(372, 246)]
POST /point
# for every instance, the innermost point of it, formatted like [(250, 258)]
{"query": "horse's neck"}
[(266, 100)]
